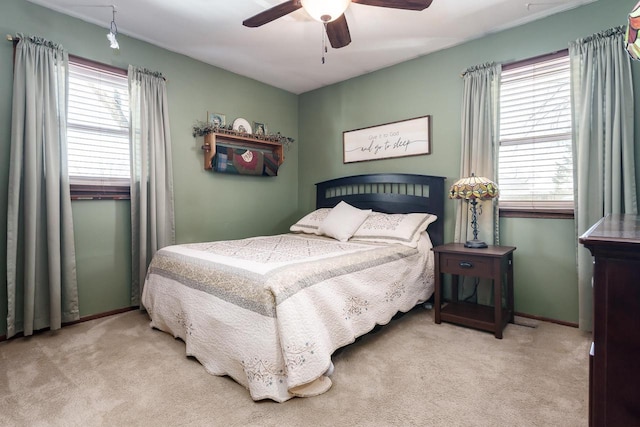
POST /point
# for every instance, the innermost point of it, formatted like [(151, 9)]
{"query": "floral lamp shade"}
[(631, 36), (474, 187)]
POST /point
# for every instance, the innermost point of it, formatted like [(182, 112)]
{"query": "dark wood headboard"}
[(389, 193)]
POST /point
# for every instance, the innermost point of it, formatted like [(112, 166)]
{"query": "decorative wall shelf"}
[(247, 141)]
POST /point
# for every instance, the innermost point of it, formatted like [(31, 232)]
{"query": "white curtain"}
[(41, 268), (152, 215), (604, 166), (479, 154)]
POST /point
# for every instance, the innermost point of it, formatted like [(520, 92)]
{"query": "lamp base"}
[(475, 244)]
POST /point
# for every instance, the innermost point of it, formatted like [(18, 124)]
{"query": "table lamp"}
[(472, 189)]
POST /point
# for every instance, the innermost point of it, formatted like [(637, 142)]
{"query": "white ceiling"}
[(287, 53)]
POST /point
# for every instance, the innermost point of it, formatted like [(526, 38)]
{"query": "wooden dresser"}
[(614, 365)]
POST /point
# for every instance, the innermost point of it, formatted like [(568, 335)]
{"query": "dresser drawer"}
[(468, 265)]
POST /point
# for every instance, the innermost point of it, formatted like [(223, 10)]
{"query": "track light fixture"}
[(113, 31)]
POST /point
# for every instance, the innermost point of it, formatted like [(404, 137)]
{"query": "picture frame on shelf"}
[(259, 129), (217, 119)]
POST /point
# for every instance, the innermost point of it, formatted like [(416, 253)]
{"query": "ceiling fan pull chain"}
[(324, 40)]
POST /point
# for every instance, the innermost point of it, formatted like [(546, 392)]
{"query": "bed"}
[(269, 311)]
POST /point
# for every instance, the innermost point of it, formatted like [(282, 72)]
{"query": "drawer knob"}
[(465, 264)]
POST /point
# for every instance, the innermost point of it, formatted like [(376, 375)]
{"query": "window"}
[(98, 130), (535, 167)]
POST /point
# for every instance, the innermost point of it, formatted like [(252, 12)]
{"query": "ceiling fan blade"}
[(338, 32), (397, 4), (272, 14)]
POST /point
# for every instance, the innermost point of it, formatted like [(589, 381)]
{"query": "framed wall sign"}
[(410, 137)]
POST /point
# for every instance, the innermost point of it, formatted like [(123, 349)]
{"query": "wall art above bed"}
[(411, 137)]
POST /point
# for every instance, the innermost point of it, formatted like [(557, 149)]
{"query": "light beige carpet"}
[(116, 371)]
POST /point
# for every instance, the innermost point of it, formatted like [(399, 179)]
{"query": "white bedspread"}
[(269, 311)]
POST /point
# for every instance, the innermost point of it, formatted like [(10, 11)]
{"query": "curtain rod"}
[(10, 38)]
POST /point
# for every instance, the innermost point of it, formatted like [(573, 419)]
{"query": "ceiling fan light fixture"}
[(325, 10)]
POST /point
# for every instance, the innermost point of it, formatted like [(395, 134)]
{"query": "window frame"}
[(527, 209), (95, 188)]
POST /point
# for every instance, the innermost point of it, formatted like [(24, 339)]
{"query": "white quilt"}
[(269, 311)]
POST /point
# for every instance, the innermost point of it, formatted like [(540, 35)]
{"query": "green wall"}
[(545, 277), (208, 206), (212, 206)]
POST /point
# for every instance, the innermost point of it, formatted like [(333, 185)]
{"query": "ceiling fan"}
[(331, 14)]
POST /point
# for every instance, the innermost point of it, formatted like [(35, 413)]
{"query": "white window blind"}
[(98, 125), (535, 167)]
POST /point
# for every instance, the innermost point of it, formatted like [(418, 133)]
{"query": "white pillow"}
[(394, 228), (343, 221), (311, 222)]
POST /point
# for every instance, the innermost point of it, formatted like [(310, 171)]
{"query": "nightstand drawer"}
[(467, 265)]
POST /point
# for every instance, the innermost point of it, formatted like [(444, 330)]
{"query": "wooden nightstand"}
[(495, 263)]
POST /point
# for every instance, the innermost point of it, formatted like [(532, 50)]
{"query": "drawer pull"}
[(465, 264)]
